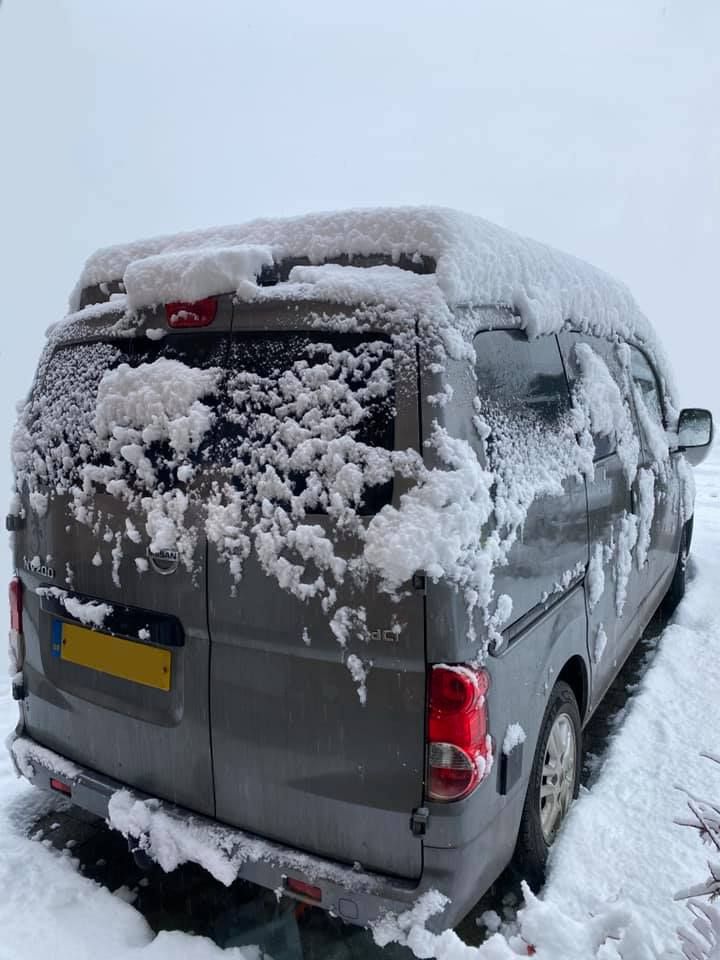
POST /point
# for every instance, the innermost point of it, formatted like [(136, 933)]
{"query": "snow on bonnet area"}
[(614, 872)]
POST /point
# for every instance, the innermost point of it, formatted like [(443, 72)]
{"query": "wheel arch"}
[(575, 675)]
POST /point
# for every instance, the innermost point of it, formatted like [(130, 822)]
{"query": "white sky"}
[(594, 126)]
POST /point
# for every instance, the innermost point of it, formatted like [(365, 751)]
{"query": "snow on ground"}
[(614, 871), (48, 909)]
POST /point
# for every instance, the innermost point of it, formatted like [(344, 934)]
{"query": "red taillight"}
[(198, 314), (60, 787), (459, 746), (303, 889), (16, 604)]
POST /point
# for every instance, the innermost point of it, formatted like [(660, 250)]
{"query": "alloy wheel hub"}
[(557, 784)]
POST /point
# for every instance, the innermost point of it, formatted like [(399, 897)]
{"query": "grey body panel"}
[(297, 756), (154, 740)]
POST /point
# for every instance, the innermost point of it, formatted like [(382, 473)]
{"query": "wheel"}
[(676, 590), (554, 781)]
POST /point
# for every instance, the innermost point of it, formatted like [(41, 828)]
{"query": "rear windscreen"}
[(276, 404), (293, 402)]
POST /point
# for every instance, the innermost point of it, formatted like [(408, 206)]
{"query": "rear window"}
[(282, 401), (61, 420), (292, 402), (521, 380)]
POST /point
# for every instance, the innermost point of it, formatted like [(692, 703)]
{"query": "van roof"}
[(444, 256)]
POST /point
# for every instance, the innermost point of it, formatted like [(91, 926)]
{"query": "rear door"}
[(317, 683), (145, 730)]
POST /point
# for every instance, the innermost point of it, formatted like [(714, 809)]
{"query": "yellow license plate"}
[(137, 662)]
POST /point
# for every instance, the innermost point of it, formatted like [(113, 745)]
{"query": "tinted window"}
[(520, 377), (282, 399), (646, 382), (288, 388), (609, 351), (62, 421), (524, 415)]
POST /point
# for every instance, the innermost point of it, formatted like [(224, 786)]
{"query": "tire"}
[(676, 590), (536, 832)]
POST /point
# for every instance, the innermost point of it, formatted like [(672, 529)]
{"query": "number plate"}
[(126, 659)]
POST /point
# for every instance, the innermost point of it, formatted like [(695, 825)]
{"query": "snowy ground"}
[(620, 857)]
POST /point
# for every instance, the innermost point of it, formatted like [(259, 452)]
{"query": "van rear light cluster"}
[(16, 644), (459, 746), (201, 313)]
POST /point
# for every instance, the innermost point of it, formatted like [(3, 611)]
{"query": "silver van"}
[(330, 534)]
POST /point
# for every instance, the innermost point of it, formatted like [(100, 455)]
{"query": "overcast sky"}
[(594, 126)]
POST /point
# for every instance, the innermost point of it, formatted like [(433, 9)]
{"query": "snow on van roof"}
[(477, 262)]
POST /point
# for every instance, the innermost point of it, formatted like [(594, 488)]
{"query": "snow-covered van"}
[(330, 534)]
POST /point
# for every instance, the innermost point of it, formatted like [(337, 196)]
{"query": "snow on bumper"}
[(172, 836)]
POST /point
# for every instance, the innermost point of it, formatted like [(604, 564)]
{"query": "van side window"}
[(604, 445), (646, 382), (523, 412), (520, 376), (649, 408)]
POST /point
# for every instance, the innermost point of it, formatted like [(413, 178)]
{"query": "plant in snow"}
[(701, 941)]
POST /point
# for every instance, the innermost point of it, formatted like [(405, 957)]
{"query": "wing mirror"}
[(695, 434)]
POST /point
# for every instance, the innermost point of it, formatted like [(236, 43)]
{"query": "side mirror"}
[(695, 434)]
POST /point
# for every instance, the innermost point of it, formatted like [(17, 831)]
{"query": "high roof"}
[(476, 262)]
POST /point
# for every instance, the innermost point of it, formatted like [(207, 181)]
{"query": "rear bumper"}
[(172, 835)]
